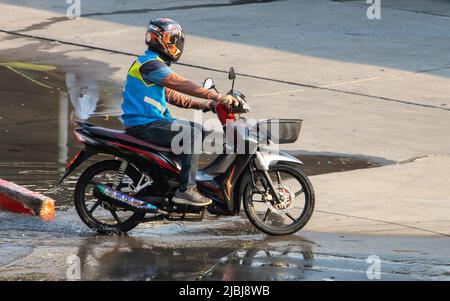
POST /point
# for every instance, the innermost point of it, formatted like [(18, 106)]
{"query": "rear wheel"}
[(296, 195), (98, 214)]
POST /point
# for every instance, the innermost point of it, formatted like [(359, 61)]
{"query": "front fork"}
[(263, 167)]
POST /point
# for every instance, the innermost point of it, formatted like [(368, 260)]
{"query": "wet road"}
[(220, 249)]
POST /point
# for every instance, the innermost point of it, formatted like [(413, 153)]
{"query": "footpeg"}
[(186, 216)]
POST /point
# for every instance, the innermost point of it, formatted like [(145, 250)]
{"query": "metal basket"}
[(280, 131)]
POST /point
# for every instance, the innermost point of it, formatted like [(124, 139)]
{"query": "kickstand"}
[(203, 213), (184, 211)]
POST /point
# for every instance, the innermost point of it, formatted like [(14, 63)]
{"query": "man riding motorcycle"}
[(150, 85)]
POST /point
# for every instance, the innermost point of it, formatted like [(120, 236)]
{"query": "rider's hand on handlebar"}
[(229, 101), (207, 106)]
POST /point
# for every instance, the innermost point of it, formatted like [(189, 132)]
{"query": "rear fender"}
[(76, 161)]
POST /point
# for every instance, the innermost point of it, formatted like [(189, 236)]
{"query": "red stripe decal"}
[(73, 159), (159, 161)]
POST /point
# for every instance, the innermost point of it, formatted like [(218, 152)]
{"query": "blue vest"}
[(141, 102)]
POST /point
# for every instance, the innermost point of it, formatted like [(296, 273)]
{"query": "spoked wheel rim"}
[(101, 212), (294, 193)]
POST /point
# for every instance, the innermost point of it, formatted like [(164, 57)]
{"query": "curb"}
[(18, 199)]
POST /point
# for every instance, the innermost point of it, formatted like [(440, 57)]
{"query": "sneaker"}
[(191, 197)]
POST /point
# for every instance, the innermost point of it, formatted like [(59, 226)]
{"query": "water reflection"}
[(84, 95), (128, 258), (63, 129), (276, 258), (212, 250), (36, 122)]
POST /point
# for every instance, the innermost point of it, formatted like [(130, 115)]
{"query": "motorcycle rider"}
[(150, 85)]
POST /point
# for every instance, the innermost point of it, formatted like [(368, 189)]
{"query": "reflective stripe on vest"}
[(155, 104)]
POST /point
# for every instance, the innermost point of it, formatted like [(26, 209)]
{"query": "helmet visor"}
[(176, 45)]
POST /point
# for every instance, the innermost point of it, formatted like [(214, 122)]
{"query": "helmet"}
[(166, 38)]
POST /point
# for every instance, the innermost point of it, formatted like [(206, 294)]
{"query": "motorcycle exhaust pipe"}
[(117, 198)]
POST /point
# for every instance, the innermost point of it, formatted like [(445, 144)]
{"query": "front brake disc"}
[(286, 197)]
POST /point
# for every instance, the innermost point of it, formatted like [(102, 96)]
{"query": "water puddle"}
[(188, 251), (316, 163), (40, 103)]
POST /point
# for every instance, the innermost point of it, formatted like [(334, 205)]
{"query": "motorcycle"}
[(137, 184)]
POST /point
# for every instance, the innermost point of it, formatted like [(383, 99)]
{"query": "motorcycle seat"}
[(124, 137)]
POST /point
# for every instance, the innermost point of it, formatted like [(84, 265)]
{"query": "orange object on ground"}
[(18, 199)]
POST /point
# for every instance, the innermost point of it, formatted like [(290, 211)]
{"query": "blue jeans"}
[(160, 132)]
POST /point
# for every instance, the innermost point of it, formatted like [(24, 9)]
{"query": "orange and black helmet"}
[(166, 38)]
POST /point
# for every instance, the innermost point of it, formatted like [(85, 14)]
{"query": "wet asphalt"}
[(38, 111), (216, 249)]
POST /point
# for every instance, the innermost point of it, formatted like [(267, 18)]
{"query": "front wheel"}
[(296, 195)]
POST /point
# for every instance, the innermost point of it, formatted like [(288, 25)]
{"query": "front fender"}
[(266, 157)]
